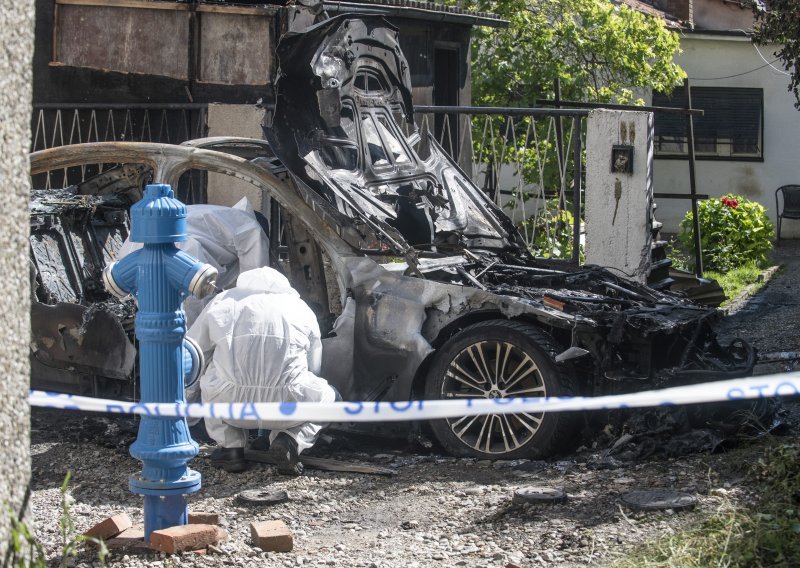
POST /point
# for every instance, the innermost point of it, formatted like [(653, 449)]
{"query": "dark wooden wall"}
[(54, 84)]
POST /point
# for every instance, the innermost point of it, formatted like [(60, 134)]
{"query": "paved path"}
[(770, 320)]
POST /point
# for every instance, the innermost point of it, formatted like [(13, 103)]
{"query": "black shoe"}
[(260, 444), (229, 459), (283, 452)]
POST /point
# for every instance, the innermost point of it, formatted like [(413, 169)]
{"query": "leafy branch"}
[(778, 22)]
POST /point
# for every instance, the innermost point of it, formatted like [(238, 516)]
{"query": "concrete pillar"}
[(619, 203), (234, 120), (16, 51)]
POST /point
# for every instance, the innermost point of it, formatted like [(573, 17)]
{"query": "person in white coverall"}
[(263, 345), (228, 238)]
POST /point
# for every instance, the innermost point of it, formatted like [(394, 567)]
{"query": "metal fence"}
[(54, 125), (528, 160)]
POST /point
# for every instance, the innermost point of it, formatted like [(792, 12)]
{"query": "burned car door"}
[(78, 329), (343, 139)]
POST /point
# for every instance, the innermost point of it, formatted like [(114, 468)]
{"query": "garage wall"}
[(234, 120), (16, 47)]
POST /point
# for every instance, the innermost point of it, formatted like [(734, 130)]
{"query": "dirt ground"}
[(435, 510)]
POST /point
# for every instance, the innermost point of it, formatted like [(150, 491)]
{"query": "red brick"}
[(129, 538), (185, 537), (203, 518), (272, 536), (110, 527)]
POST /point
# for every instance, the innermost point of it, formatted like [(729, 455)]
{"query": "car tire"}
[(494, 359)]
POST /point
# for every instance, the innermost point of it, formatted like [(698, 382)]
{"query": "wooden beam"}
[(138, 4), (246, 10)]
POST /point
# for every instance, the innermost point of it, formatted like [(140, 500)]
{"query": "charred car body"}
[(439, 296)]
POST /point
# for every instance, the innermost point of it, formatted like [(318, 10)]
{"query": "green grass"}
[(765, 535), (736, 280)]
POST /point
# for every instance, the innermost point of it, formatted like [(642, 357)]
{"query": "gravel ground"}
[(436, 510)]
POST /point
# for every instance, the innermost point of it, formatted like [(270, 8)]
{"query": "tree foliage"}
[(599, 50), (778, 22)]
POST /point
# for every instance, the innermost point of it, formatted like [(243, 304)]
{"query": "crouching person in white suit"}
[(263, 345)]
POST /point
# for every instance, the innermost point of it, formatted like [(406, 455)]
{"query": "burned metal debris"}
[(78, 329), (677, 431), (629, 316)]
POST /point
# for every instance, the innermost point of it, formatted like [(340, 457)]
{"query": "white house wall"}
[(711, 56)]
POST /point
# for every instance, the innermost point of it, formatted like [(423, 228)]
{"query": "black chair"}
[(791, 204)]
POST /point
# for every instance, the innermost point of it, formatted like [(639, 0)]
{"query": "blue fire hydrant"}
[(160, 276)]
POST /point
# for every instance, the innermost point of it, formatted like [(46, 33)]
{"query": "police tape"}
[(767, 386)]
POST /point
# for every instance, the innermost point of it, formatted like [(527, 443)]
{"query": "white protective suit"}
[(228, 238), (263, 344)]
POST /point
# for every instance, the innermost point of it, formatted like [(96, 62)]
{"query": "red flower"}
[(728, 202)]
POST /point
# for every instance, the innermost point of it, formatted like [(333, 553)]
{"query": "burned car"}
[(432, 291)]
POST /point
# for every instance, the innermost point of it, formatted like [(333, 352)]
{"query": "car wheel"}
[(501, 359)]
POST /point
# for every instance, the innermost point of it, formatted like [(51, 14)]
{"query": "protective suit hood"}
[(265, 280), (228, 238)]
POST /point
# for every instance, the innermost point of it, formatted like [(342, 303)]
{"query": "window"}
[(731, 128)]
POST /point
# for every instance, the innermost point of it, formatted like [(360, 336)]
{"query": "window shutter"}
[(668, 124), (731, 115)]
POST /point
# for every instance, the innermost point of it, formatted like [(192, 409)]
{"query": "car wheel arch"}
[(453, 328)]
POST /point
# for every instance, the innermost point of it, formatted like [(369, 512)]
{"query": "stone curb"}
[(748, 291)]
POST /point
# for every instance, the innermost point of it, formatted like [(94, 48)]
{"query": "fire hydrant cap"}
[(158, 217)]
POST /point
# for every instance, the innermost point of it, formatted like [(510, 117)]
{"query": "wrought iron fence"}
[(525, 159), (528, 160), (56, 125)]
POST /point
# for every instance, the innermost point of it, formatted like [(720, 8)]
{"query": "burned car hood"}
[(343, 125)]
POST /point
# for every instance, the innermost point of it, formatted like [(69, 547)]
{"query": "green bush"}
[(549, 232), (733, 232)]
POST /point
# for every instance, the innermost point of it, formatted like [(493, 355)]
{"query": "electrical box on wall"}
[(621, 159)]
